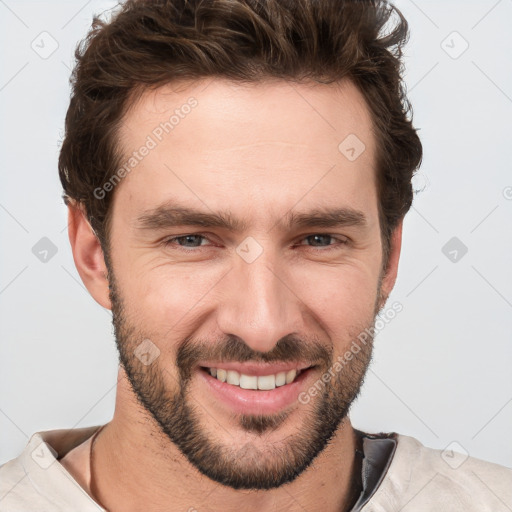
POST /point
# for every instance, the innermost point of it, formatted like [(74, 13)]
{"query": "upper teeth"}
[(252, 381)]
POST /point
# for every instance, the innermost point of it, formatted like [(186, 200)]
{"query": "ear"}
[(88, 255), (390, 273)]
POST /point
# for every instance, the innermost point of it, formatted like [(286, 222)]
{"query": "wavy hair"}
[(149, 43)]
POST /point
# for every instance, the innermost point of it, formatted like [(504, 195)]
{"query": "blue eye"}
[(189, 242), (185, 238), (324, 236)]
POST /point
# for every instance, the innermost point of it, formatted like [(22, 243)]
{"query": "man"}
[(237, 174)]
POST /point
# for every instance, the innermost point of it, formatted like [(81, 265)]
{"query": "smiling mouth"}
[(255, 382)]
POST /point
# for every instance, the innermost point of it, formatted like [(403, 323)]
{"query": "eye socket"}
[(169, 241), (341, 241), (175, 241)]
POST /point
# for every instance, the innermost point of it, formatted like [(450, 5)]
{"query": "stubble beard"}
[(254, 465)]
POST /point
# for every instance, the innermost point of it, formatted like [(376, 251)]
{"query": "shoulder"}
[(426, 479), (17, 492), (36, 480)]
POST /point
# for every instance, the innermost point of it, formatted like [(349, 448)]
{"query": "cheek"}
[(166, 299), (342, 297), (169, 300)]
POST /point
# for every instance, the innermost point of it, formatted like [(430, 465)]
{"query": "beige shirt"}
[(78, 463), (411, 477)]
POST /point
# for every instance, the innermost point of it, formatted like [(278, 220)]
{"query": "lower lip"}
[(251, 401)]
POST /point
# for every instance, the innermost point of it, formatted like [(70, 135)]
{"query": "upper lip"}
[(257, 369)]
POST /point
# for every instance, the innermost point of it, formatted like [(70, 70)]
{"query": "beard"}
[(259, 465)]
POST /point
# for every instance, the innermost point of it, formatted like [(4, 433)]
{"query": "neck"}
[(131, 448)]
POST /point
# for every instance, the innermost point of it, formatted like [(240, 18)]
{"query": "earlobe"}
[(88, 255)]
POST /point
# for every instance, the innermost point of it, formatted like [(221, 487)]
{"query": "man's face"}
[(275, 290)]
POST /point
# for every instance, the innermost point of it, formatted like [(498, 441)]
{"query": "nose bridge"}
[(258, 305)]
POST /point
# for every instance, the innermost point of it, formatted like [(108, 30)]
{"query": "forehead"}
[(248, 146)]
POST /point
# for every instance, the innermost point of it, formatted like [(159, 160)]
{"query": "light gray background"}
[(442, 368)]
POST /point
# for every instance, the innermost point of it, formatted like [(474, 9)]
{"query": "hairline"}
[(137, 93)]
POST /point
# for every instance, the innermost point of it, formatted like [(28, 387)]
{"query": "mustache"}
[(233, 349)]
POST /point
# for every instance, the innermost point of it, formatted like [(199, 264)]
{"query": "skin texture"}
[(260, 152)]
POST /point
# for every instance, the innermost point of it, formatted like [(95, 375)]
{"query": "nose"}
[(259, 303)]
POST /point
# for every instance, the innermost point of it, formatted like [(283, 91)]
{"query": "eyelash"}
[(167, 242)]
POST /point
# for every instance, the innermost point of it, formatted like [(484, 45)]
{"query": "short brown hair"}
[(149, 43)]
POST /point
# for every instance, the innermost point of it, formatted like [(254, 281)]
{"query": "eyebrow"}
[(168, 216)]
